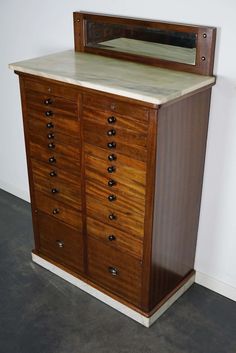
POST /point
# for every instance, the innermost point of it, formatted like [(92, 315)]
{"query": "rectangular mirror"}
[(150, 42)]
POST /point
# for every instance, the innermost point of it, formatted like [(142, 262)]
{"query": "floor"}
[(41, 313)]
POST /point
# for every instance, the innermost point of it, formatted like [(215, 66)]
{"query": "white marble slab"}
[(137, 81), (143, 320)]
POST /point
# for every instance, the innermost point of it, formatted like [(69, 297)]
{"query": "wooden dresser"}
[(116, 171)]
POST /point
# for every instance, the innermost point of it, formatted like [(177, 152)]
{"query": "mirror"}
[(170, 45)]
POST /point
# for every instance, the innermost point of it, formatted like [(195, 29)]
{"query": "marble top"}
[(154, 50), (146, 83)]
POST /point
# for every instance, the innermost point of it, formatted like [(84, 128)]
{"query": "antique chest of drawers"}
[(115, 180)]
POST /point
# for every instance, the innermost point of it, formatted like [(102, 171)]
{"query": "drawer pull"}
[(50, 125), (111, 132), (112, 216), (111, 169), (112, 198), (55, 211), (112, 157), (60, 243), (53, 173), (54, 191), (111, 144), (48, 113), (48, 101), (111, 182), (113, 271), (111, 237), (52, 160), (51, 145), (111, 119), (51, 136)]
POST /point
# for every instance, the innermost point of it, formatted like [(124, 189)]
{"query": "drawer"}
[(114, 270), (36, 111), (111, 106), (58, 189), (115, 238), (49, 102), (60, 242), (45, 126), (124, 219), (54, 159), (58, 143), (128, 173), (49, 173), (58, 210), (51, 87)]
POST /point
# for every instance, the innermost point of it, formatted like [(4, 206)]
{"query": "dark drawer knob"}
[(53, 173), (111, 144), (51, 145), (113, 270), (52, 160), (111, 132), (112, 216), (51, 136), (60, 243), (49, 113), (111, 182), (111, 237), (55, 211), (111, 169), (111, 119), (48, 101), (54, 191), (50, 125), (112, 157), (112, 198)]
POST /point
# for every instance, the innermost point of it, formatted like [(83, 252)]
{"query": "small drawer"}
[(115, 271), (38, 111), (58, 189), (54, 159), (60, 242), (58, 210), (124, 219), (111, 106), (115, 238), (43, 125), (49, 102), (51, 87)]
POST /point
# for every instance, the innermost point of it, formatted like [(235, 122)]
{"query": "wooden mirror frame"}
[(205, 42)]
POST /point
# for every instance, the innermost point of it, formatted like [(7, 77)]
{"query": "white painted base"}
[(215, 285), (145, 321)]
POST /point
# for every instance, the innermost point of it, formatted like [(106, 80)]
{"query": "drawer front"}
[(115, 238), (59, 190), (58, 210), (123, 219), (111, 106), (50, 87), (114, 270), (38, 111), (60, 242), (37, 100), (44, 126), (59, 143), (54, 159)]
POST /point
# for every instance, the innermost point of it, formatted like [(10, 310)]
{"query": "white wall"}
[(32, 28)]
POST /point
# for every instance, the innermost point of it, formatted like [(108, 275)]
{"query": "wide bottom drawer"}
[(115, 271), (60, 242)]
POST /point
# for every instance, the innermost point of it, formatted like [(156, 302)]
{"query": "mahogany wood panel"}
[(122, 241), (60, 242), (127, 282), (181, 142), (65, 213)]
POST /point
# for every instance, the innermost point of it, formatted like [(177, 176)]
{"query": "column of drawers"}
[(115, 145), (53, 129)]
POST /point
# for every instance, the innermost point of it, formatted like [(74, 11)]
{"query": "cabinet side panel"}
[(181, 144)]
